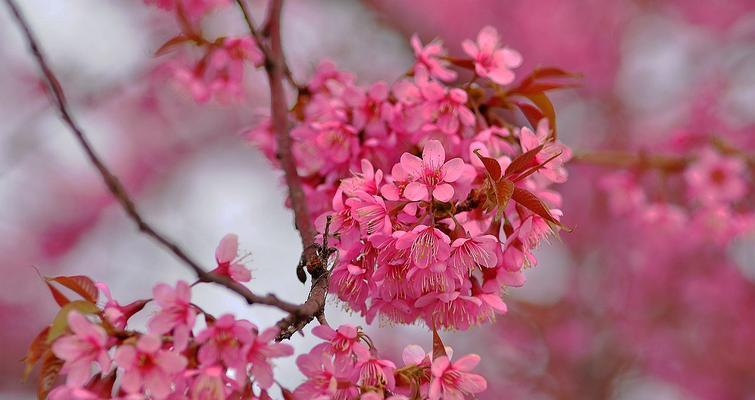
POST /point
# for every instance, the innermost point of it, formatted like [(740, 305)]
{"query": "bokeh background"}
[(578, 329)]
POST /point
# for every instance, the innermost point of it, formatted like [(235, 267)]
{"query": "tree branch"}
[(314, 257), (119, 192)]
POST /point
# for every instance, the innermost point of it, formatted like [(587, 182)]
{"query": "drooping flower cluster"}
[(219, 70), (346, 366), (101, 358), (437, 200)]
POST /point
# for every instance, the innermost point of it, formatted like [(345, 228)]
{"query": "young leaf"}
[(37, 347), (504, 190), (523, 161), (172, 42), (534, 204), (51, 366), (544, 104), (439, 350), (80, 284), (492, 166), (60, 323), (532, 113), (59, 297)]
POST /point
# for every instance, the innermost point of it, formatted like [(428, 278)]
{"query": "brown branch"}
[(119, 192), (314, 257)]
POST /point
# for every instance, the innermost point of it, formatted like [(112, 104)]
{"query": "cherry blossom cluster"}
[(346, 366), (177, 357), (436, 199), (218, 65)]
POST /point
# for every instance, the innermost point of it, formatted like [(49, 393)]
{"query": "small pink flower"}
[(371, 213), (115, 313), (87, 344), (452, 112), (65, 392), (453, 380), (490, 60), (715, 178), (147, 367), (259, 353), (343, 342), (176, 313), (553, 169), (377, 373), (224, 340), (324, 381), (467, 254), (427, 246), (431, 174), (228, 263), (429, 58)]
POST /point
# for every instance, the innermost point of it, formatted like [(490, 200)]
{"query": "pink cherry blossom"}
[(431, 174), (228, 264), (429, 58), (452, 380), (259, 353), (468, 253), (147, 367), (715, 178), (176, 313), (343, 342), (427, 246), (224, 340), (490, 60), (87, 344)]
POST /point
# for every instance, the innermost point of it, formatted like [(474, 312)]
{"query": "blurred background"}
[(613, 310)]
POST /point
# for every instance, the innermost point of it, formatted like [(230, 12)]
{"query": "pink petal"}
[(148, 343), (470, 48), (440, 365), (413, 354), (467, 363), (227, 249), (452, 169), (443, 192), (473, 383), (412, 165), (433, 154), (487, 39), (170, 362), (125, 357), (416, 191)]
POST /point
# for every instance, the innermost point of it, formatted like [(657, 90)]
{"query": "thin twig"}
[(119, 192)]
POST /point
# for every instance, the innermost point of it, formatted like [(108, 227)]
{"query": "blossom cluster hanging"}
[(437, 200)]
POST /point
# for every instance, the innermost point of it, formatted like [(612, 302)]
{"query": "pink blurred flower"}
[(715, 178), (343, 342), (228, 264), (429, 174), (429, 58), (453, 380), (176, 312), (147, 367), (224, 340), (87, 344), (491, 61)]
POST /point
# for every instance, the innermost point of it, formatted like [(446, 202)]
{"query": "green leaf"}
[(60, 323)]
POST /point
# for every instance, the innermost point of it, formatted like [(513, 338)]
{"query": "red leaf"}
[(461, 62), (544, 104), (287, 394), (492, 167), (439, 350), (534, 204), (539, 87), (172, 42), (545, 72), (37, 347), (48, 374), (59, 297), (532, 113), (82, 285), (523, 161), (504, 189)]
